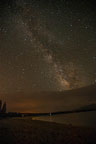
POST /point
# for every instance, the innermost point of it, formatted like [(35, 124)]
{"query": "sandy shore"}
[(27, 131)]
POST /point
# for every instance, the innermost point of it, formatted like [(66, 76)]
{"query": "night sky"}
[(46, 45)]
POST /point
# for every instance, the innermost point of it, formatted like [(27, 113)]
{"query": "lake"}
[(76, 119)]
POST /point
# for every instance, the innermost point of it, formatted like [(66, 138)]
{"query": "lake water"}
[(76, 119)]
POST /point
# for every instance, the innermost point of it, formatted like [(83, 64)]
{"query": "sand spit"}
[(28, 131)]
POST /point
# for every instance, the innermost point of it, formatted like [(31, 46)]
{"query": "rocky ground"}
[(28, 131)]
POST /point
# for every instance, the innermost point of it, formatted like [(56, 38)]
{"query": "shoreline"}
[(27, 131)]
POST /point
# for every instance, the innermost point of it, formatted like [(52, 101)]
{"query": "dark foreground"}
[(27, 131)]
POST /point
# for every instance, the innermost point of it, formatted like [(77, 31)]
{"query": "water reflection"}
[(76, 119)]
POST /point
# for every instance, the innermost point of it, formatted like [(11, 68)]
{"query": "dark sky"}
[(47, 45)]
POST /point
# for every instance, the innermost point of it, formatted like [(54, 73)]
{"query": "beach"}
[(28, 131)]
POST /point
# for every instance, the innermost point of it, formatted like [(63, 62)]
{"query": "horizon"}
[(50, 101)]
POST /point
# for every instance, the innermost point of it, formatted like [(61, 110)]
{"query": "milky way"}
[(47, 46)]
